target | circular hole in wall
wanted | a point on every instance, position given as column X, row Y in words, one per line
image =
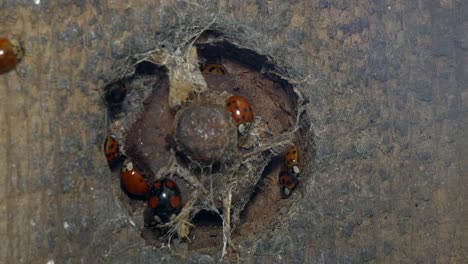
column 240, row 187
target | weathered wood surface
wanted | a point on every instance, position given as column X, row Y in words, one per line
column 387, row 85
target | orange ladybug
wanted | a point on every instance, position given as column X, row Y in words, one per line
column 288, row 183
column 241, row 111
column 293, row 160
column 132, row 179
column 112, row 152
column 10, row 53
column 214, row 69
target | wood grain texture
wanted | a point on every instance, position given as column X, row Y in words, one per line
column 388, row 106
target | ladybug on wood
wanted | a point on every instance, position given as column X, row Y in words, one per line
column 11, row 53
column 241, row 111
column 289, row 179
column 164, row 202
column 214, row 69
column 293, row 160
column 288, row 183
column 132, row 180
column 111, row 150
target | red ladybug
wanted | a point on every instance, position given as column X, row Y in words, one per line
column 132, row 179
column 214, row 69
column 10, row 53
column 293, row 160
column 112, row 152
column 241, row 111
column 288, row 183
column 164, row 200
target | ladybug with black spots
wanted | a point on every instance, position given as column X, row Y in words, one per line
column 241, row 111
column 132, row 180
column 164, row 201
column 288, row 183
column 112, row 152
column 293, row 160
column 11, row 53
column 214, row 69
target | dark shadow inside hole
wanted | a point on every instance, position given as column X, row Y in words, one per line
column 274, row 162
column 215, row 167
column 211, row 47
column 114, row 95
column 212, row 53
column 208, row 218
column 146, row 68
column 208, row 231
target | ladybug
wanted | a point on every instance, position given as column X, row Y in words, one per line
column 293, row 160
column 164, row 201
column 10, row 53
column 132, row 180
column 214, row 69
column 288, row 183
column 111, row 150
column 241, row 111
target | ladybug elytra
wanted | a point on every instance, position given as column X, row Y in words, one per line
column 241, row 111
column 214, row 69
column 288, row 183
column 10, row 53
column 164, row 200
column 112, row 152
column 289, row 179
column 132, row 179
column 293, row 160
column 111, row 148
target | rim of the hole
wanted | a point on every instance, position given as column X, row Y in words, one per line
column 146, row 68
